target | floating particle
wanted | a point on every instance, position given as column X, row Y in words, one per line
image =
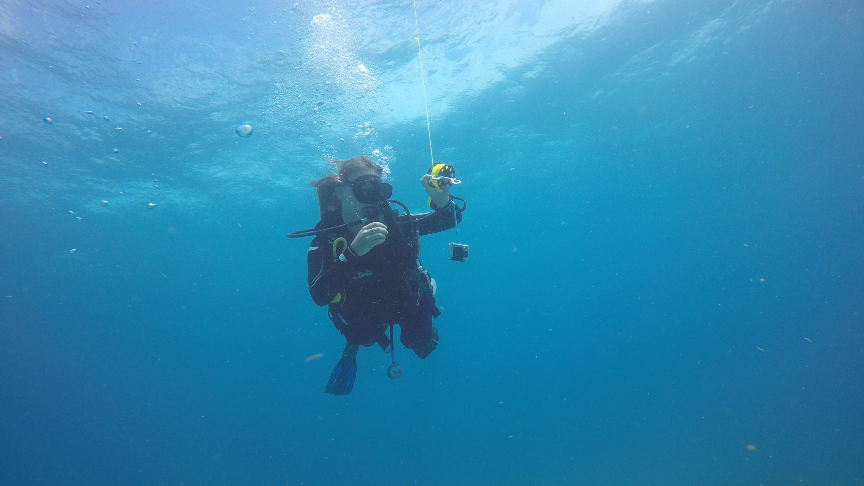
column 314, row 356
column 751, row 447
column 103, row 203
column 118, row 128
column 363, row 69
column 89, row 112
column 116, row 151
column 72, row 212
column 761, row 279
column 151, row 205
column 43, row 163
column 156, row 185
column 47, row 120
column 244, row 130
column 78, row 218
column 760, row 349
column 106, row 118
column 73, row 250
column 808, row 340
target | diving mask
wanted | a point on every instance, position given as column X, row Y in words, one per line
column 370, row 189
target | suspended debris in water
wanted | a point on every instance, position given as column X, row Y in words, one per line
column 103, row 203
column 47, row 120
column 244, row 130
column 151, row 205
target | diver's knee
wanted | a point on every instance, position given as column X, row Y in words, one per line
column 425, row 351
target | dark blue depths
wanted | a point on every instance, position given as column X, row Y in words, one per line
column 665, row 287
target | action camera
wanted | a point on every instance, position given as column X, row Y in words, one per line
column 458, row 252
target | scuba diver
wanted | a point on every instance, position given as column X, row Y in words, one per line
column 364, row 262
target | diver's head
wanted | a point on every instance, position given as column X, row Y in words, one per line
column 355, row 191
column 362, row 195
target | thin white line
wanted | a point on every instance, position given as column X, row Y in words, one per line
column 423, row 78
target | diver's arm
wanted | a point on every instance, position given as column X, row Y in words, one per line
column 446, row 214
column 439, row 220
column 326, row 276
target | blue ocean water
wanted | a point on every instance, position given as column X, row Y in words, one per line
column 666, row 282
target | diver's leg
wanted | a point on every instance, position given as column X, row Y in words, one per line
column 417, row 330
column 358, row 332
column 426, row 350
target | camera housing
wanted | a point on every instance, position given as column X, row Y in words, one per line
column 458, row 252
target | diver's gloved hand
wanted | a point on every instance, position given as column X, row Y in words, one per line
column 440, row 195
column 369, row 236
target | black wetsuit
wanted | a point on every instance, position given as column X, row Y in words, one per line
column 387, row 285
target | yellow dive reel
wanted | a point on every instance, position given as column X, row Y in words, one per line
column 443, row 175
column 442, row 172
